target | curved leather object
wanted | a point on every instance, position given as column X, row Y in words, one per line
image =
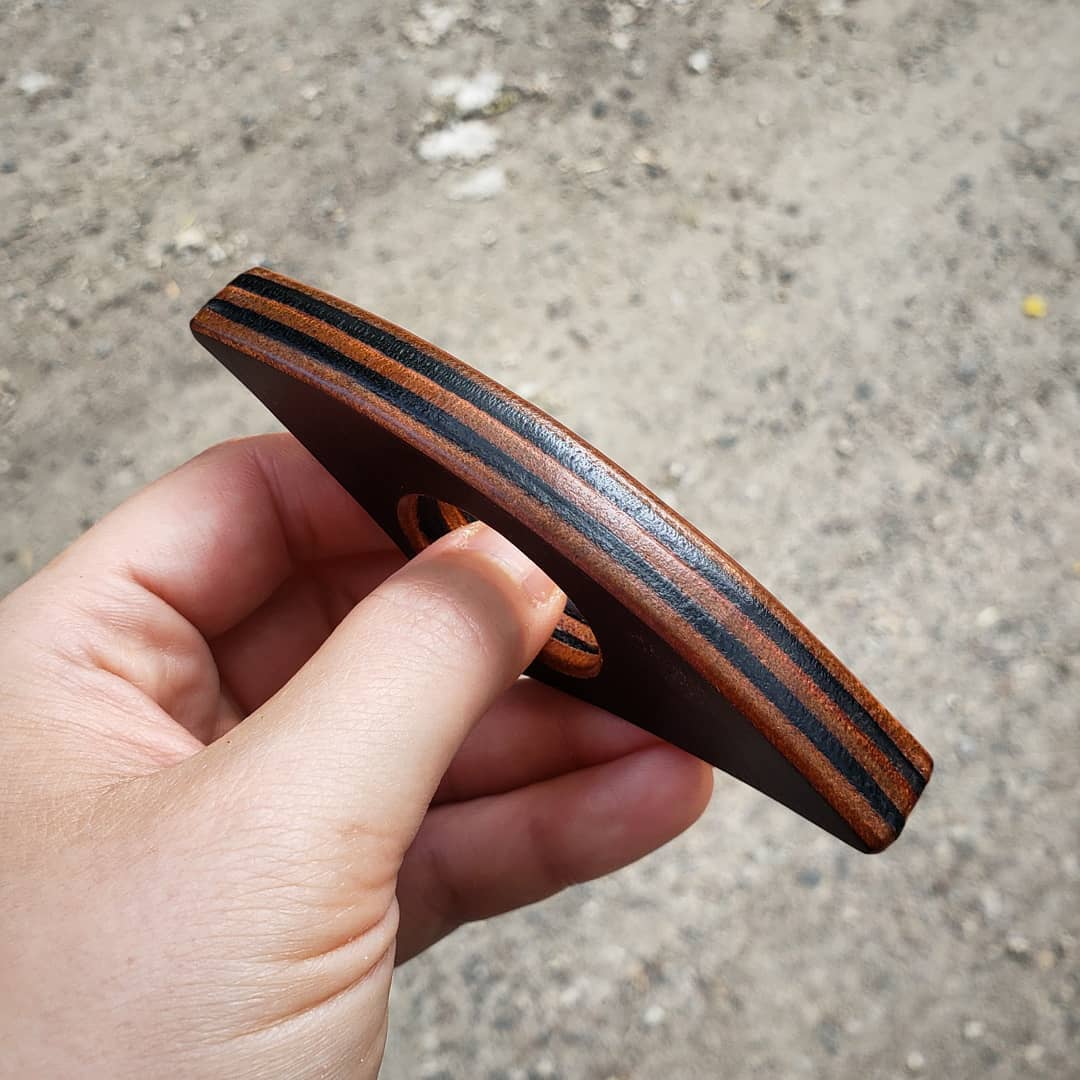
column 668, row 631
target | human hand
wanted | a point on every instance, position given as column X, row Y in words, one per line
column 248, row 760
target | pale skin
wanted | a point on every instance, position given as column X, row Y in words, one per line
column 250, row 759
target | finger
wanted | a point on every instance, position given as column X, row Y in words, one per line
column 352, row 749
column 481, row 858
column 190, row 556
column 259, row 655
column 532, row 733
column 217, row 536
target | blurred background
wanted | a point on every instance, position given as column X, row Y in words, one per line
column 808, row 268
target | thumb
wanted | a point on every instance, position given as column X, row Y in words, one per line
column 357, row 742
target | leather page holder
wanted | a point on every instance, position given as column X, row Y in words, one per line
column 663, row 627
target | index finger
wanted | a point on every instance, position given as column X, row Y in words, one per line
column 217, row 536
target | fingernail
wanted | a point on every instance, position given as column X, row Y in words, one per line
column 531, row 579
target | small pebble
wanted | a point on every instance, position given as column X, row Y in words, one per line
column 485, row 184
column 1003, row 58
column 1034, row 306
column 469, row 94
column 34, row 82
column 190, row 239
column 699, row 61
column 974, row 1030
column 988, row 617
column 468, row 141
column 432, row 24
column 915, row 1062
column 654, row 1015
column 1017, row 945
column 1034, row 1053
column 991, row 902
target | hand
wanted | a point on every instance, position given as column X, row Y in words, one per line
column 249, row 759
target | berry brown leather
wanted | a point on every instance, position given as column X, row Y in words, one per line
column 663, row 627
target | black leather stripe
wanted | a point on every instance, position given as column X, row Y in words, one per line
column 429, row 518
column 559, row 634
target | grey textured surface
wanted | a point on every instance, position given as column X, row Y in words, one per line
column 784, row 289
